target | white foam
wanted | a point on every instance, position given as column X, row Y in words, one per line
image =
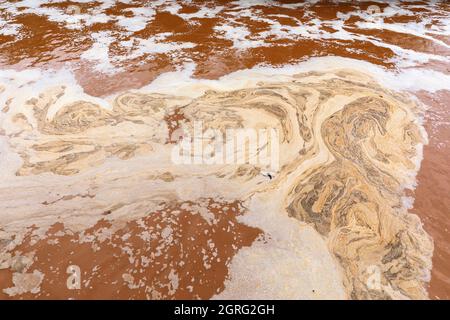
column 293, row 263
column 9, row 29
column 238, row 35
column 140, row 19
column 99, row 52
column 157, row 44
column 205, row 12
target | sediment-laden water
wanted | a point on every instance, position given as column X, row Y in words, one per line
column 95, row 98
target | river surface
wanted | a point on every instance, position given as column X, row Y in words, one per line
column 92, row 92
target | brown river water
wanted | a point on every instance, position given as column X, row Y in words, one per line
column 89, row 186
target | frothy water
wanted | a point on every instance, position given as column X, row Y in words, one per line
column 89, row 115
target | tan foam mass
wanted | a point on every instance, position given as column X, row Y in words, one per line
column 348, row 147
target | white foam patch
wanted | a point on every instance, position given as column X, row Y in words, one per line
column 141, row 17
column 99, row 52
column 294, row 263
column 244, row 4
column 238, row 35
column 157, row 44
column 204, row 12
column 9, row 29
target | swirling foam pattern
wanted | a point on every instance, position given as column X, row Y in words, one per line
column 348, row 148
